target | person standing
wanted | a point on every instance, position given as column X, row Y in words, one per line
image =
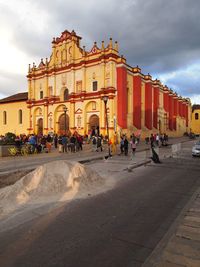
column 72, row 143
column 94, row 143
column 60, row 149
column 55, row 141
column 99, row 144
column 122, row 145
column 157, row 139
column 125, row 146
column 64, row 143
column 133, row 146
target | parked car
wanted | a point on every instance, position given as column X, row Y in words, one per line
column 196, row 150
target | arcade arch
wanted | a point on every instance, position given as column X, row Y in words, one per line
column 92, row 120
column 38, row 121
column 59, row 119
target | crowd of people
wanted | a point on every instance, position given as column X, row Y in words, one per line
column 44, row 143
column 74, row 142
column 157, row 140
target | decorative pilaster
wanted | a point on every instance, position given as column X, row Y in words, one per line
column 72, row 116
column 45, row 119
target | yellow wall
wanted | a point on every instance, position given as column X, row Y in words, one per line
column 195, row 123
column 12, row 111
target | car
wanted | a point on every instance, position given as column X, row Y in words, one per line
column 196, row 150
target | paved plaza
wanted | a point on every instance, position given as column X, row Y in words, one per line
column 181, row 244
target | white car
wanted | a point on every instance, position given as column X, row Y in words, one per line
column 196, row 150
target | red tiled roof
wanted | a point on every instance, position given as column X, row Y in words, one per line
column 15, row 98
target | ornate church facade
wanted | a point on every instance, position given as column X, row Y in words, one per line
column 66, row 92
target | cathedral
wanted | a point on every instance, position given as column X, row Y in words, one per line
column 81, row 90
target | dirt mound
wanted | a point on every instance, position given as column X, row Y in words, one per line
column 58, row 180
column 11, row 178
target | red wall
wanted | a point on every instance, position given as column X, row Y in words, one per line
column 184, row 111
column 148, row 105
column 175, row 112
column 186, row 116
column 137, row 95
column 155, row 107
column 122, row 102
column 171, row 112
column 166, row 102
column 180, row 108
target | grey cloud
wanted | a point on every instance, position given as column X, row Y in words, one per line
column 185, row 85
column 149, row 32
column 12, row 83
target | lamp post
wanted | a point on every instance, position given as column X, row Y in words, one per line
column 105, row 99
column 65, row 109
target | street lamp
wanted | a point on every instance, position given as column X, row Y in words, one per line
column 65, row 109
column 105, row 99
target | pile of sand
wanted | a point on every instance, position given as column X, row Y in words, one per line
column 54, row 181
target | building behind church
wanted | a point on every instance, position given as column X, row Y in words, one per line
column 65, row 94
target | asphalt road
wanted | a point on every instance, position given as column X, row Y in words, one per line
column 119, row 228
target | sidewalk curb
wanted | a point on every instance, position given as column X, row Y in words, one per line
column 139, row 164
column 90, row 159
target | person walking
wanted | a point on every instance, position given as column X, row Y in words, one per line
column 152, row 140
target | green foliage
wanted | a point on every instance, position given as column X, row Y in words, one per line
column 9, row 139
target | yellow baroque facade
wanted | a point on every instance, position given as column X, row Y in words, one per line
column 195, row 124
column 65, row 93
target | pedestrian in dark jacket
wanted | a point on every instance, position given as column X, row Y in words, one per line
column 64, row 143
column 122, row 145
column 56, row 141
column 125, row 146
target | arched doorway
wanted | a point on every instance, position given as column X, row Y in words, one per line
column 94, row 124
column 40, row 126
column 63, row 124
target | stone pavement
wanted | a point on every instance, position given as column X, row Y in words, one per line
column 180, row 247
column 181, row 244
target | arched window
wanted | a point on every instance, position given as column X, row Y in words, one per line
column 66, row 94
column 94, row 86
column 20, row 116
column 4, row 117
column 41, row 94
column 196, row 115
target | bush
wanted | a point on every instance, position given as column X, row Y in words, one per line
column 9, row 139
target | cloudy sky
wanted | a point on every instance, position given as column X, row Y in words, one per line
column 162, row 37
